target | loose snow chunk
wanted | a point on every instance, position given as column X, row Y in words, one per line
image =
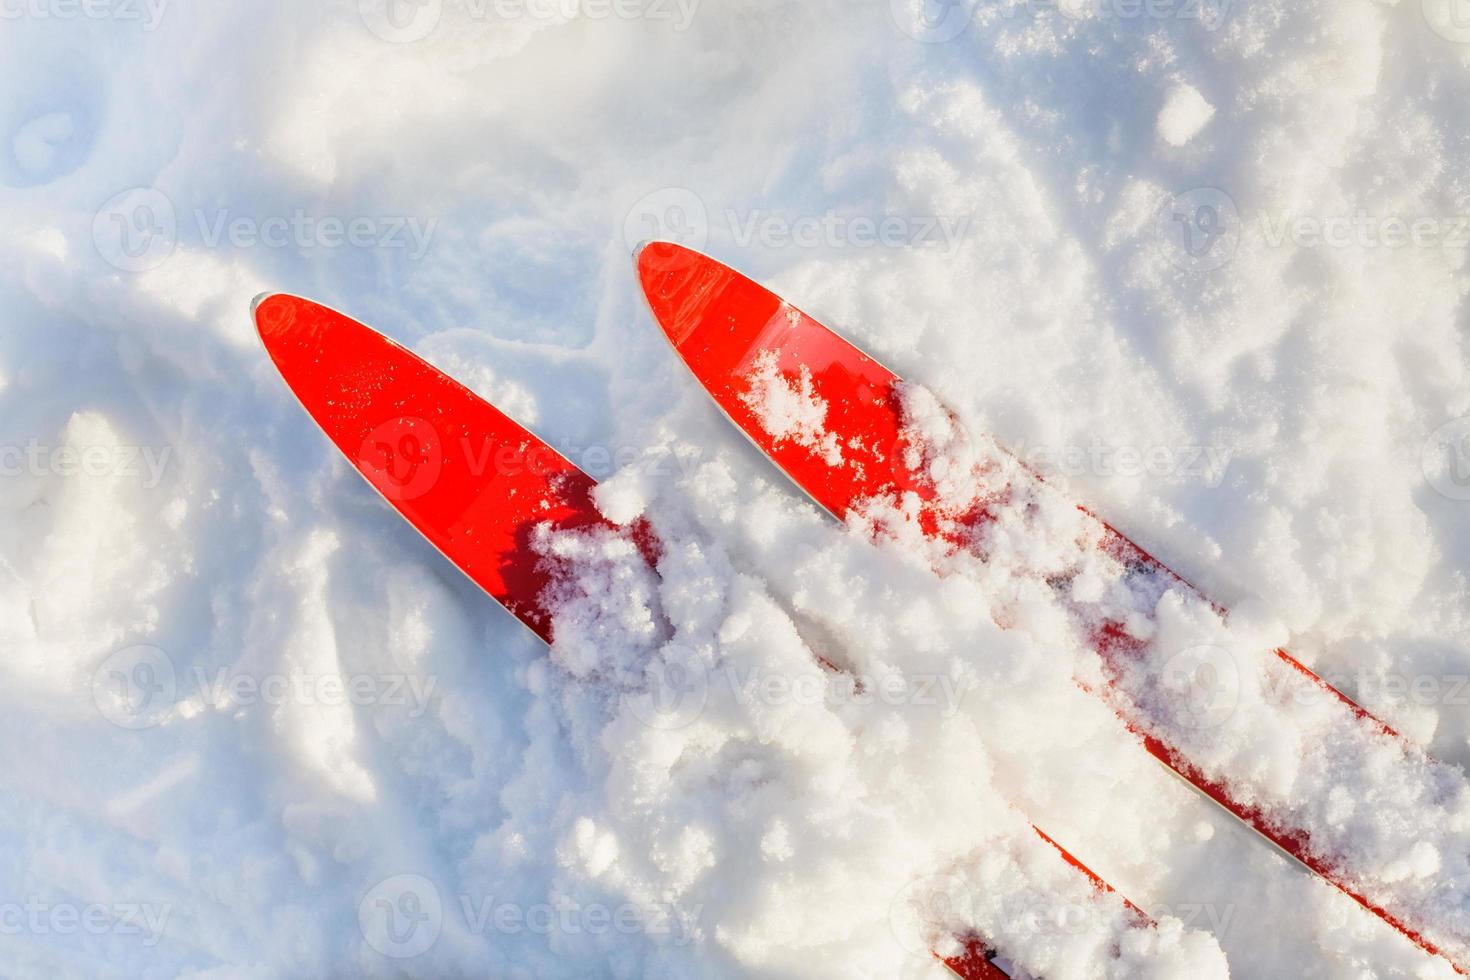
column 623, row 497
column 776, row 844
column 790, row 409
column 1184, row 114
column 591, row 848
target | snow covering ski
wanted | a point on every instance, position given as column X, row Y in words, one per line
column 625, row 603
column 1213, row 697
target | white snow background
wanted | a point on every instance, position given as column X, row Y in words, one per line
column 1201, row 263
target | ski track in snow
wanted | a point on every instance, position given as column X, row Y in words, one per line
column 167, row 505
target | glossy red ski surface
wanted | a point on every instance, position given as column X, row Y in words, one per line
column 720, row 322
column 467, row 476
column 975, row 962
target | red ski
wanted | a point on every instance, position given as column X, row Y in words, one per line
column 468, row 477
column 735, row 335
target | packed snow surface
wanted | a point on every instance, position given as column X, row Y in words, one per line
column 1200, row 265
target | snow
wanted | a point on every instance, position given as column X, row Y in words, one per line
column 1379, row 812
column 733, row 714
column 788, row 409
column 253, row 726
column 1184, row 114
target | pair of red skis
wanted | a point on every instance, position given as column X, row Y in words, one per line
column 478, row 485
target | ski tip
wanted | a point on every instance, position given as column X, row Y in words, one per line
column 658, row 269
column 668, row 273
column 270, row 312
column 678, row 282
column 653, row 256
column 665, row 249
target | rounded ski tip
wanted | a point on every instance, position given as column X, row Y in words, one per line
column 670, row 275
column 655, row 258
column 273, row 313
